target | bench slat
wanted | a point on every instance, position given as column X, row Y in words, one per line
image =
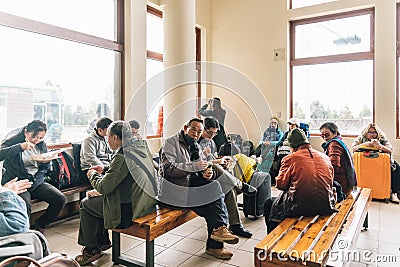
column 151, row 216
column 331, row 232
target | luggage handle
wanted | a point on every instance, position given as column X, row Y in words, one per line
column 371, row 154
column 19, row 258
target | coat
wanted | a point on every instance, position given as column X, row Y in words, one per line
column 126, row 181
column 306, row 177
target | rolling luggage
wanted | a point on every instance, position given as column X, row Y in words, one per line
column 254, row 204
column 373, row 171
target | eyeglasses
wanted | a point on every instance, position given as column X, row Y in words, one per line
column 373, row 132
column 211, row 132
column 324, row 135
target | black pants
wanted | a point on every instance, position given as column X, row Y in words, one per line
column 271, row 225
column 47, row 193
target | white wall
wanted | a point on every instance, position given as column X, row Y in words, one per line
column 245, row 33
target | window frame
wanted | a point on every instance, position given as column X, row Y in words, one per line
column 37, row 27
column 358, row 56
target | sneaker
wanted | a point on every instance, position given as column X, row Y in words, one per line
column 88, row 256
column 105, row 246
column 248, row 189
column 394, row 198
column 222, row 234
column 239, row 230
column 38, row 227
column 220, row 253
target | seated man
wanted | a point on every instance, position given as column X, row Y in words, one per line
column 125, row 192
column 181, row 168
column 95, row 150
column 209, row 151
column 306, row 178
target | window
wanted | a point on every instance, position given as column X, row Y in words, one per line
column 303, row 3
column 154, row 65
column 331, row 68
column 59, row 75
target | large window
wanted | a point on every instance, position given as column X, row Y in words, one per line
column 154, row 65
column 53, row 72
column 332, row 70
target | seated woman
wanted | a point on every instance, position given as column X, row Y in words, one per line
column 339, row 155
column 16, row 152
column 306, row 178
column 373, row 136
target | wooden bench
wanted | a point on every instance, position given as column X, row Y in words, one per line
column 148, row 228
column 309, row 240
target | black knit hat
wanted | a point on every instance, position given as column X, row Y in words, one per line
column 297, row 137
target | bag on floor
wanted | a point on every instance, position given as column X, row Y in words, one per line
column 52, row 260
column 62, row 172
column 254, row 204
column 32, row 244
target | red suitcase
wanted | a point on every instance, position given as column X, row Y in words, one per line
column 373, row 171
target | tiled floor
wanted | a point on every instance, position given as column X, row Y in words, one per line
column 185, row 245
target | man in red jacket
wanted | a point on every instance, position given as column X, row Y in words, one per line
column 306, row 179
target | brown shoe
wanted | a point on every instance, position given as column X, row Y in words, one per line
column 88, row 256
column 222, row 234
column 220, row 253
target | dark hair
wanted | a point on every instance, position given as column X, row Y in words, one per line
column 35, row 127
column 211, row 122
column 331, row 126
column 103, row 123
column 194, row 119
column 134, row 124
column 120, row 129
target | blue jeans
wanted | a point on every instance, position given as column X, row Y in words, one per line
column 49, row 194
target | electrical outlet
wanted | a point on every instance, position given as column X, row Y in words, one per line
column 279, row 54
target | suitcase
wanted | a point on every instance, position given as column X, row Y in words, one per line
column 254, row 204
column 373, row 171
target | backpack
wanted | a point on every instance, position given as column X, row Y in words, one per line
column 62, row 172
column 236, row 139
column 80, row 175
column 306, row 128
column 228, row 149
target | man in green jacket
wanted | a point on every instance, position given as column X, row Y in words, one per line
column 125, row 192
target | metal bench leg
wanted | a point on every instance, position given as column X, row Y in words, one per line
column 365, row 224
column 116, row 246
column 150, row 253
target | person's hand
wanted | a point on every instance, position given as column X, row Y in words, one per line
column 208, row 173
column 207, row 151
column 98, row 168
column 27, row 145
column 266, row 143
column 201, row 164
column 18, row 186
column 375, row 143
column 210, row 103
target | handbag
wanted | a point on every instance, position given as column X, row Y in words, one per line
column 53, row 260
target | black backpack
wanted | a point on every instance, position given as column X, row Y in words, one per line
column 62, row 172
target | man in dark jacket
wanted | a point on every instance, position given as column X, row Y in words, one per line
column 187, row 181
column 306, row 179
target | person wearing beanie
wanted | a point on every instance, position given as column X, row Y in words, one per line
column 306, row 179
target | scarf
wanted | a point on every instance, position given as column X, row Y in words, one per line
column 350, row 173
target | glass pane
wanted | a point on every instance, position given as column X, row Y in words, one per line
column 303, row 3
column 57, row 81
column 155, row 34
column 88, row 16
column 339, row 92
column 333, row 37
column 152, row 95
